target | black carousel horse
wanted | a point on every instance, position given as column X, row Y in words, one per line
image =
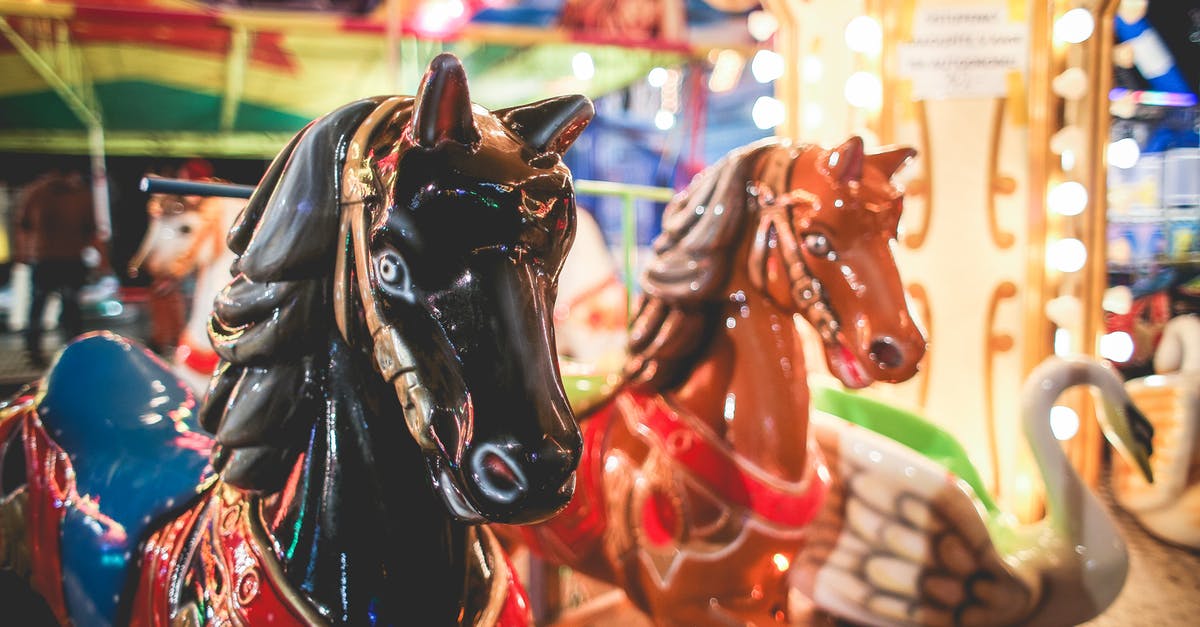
column 388, row 382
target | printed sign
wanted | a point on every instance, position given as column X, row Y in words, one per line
column 963, row 52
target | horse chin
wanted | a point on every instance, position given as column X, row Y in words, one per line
column 847, row 367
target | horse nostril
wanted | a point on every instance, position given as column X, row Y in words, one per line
column 498, row 477
column 886, row 354
column 499, row 472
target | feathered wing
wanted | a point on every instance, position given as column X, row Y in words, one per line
column 901, row 541
column 1169, row 507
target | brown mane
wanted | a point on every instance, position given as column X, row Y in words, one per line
column 693, row 257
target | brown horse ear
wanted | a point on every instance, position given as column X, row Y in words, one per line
column 889, row 160
column 549, row 125
column 846, row 161
column 443, row 109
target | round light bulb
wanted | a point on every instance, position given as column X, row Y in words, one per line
column 761, row 25
column 582, row 66
column 767, row 66
column 864, row 90
column 767, row 112
column 1074, row 26
column 439, row 16
column 657, row 77
column 1068, row 198
column 865, row 35
column 664, row 120
column 1067, row 255
column 1064, row 422
column 1124, row 153
column 1116, row 346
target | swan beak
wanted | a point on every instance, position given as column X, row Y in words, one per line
column 1140, row 446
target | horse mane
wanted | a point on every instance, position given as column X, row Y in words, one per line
column 693, row 259
column 273, row 321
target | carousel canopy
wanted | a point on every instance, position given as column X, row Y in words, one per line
column 176, row 77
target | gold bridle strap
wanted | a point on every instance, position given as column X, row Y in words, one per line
column 393, row 358
column 777, row 212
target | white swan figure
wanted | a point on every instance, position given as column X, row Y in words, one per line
column 904, row 541
column 1170, row 507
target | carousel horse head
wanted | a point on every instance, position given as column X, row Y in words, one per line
column 421, row 238
column 811, row 230
column 184, row 234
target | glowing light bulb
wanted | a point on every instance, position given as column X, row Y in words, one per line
column 865, row 35
column 767, row 112
column 1066, row 255
column 1064, row 422
column 1067, row 159
column 1062, row 342
column 1116, row 346
column 664, row 120
column 439, row 16
column 767, row 66
column 864, row 90
column 657, row 77
column 781, row 562
column 1124, row 153
column 813, row 69
column 582, row 66
column 1068, row 198
column 761, row 25
column 1074, row 26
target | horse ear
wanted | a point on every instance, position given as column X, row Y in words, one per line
column 443, row 110
column 889, row 160
column 549, row 125
column 846, row 161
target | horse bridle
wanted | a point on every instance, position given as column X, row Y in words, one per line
column 776, row 212
column 392, row 356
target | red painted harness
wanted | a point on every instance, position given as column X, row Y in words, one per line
column 579, row 530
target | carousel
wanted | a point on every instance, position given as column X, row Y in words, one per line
column 605, row 312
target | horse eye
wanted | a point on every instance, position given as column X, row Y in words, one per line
column 818, row 245
column 393, row 276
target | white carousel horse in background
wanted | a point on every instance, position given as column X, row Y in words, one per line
column 1170, row 507
column 902, row 541
column 590, row 314
column 187, row 235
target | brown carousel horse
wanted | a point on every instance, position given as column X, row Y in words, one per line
column 699, row 477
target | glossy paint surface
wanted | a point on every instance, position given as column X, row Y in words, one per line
column 137, row 453
column 700, row 479
column 387, row 331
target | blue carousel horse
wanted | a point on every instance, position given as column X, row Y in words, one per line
column 387, row 382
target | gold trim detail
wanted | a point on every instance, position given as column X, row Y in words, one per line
column 915, row 238
column 998, row 184
column 296, row 601
column 994, row 343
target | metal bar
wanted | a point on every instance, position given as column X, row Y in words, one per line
column 73, row 100
column 235, row 76
column 100, row 205
column 606, row 188
column 184, row 187
column 629, row 250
